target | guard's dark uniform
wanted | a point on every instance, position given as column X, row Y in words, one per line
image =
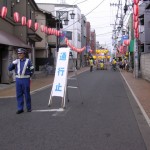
column 91, row 65
column 23, row 70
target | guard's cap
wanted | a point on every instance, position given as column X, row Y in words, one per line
column 21, row 50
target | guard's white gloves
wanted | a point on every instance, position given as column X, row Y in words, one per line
column 15, row 62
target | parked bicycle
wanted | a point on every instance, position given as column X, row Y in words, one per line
column 47, row 69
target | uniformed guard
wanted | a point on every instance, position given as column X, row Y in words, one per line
column 23, row 70
column 114, row 63
column 91, row 64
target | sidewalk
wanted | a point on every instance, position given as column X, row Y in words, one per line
column 10, row 91
column 140, row 88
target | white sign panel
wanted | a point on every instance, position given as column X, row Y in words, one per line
column 61, row 72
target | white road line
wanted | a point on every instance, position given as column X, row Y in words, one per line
column 3, row 97
column 62, row 114
column 139, row 104
column 37, row 90
column 42, row 88
column 49, row 110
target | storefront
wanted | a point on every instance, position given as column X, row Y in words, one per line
column 8, row 47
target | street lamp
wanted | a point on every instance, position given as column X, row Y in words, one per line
column 62, row 16
column 66, row 21
column 72, row 15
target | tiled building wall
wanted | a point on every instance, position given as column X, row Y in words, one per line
column 145, row 66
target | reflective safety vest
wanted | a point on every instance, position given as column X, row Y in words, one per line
column 114, row 62
column 91, row 62
column 101, row 65
column 23, row 68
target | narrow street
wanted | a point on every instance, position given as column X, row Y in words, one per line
column 108, row 119
column 104, row 105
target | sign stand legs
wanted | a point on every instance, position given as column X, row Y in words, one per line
column 63, row 100
column 76, row 80
column 60, row 87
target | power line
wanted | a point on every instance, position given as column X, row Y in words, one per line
column 101, row 27
column 75, row 1
column 99, row 17
column 87, row 13
column 80, row 2
column 95, row 8
column 104, row 33
column 66, row 8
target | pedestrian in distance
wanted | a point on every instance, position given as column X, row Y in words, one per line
column 23, row 71
column 123, row 64
column 127, row 66
column 114, row 64
column 91, row 64
column 120, row 65
column 101, row 65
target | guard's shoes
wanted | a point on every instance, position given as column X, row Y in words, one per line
column 19, row 111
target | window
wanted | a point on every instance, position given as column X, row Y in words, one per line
column 69, row 35
column 62, row 14
column 79, row 37
column 3, row 3
column 141, row 29
column 142, row 21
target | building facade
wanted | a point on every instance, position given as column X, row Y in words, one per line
column 72, row 30
column 88, row 34
column 93, row 40
column 144, row 39
column 45, row 49
column 83, row 40
column 13, row 34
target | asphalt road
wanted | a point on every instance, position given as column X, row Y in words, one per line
column 108, row 119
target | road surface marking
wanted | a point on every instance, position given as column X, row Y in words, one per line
column 62, row 114
column 49, row 110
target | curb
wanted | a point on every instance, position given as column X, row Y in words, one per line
column 46, row 86
column 138, row 102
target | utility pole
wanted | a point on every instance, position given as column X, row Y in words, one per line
column 136, row 49
column 120, row 16
column 120, row 23
column 136, row 57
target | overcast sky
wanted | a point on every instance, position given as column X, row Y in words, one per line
column 101, row 18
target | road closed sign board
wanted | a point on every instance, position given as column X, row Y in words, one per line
column 61, row 72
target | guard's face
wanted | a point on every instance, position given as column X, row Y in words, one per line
column 21, row 55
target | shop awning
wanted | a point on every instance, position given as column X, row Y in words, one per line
column 53, row 45
column 8, row 39
column 35, row 37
